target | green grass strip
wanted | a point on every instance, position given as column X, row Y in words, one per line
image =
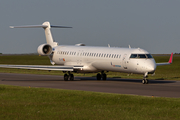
column 24, row 103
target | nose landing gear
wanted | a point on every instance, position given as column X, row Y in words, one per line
column 145, row 80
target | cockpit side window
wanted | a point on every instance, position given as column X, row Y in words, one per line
column 149, row 55
column 141, row 56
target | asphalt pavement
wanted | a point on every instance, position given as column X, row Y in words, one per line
column 156, row 88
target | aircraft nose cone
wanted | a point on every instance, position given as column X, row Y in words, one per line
column 151, row 68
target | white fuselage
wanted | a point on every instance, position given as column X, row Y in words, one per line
column 94, row 59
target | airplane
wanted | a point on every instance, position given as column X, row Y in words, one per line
column 80, row 58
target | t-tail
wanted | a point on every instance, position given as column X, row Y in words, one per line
column 47, row 27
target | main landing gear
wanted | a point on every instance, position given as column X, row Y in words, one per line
column 102, row 76
column 68, row 76
column 145, row 80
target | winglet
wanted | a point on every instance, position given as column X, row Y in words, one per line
column 171, row 58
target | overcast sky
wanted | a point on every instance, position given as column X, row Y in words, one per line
column 153, row 25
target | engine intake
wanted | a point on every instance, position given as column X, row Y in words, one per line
column 44, row 49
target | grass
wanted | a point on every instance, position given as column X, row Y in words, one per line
column 169, row 72
column 42, row 103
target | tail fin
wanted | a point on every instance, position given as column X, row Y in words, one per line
column 47, row 27
column 49, row 38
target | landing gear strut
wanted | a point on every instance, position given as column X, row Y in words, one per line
column 145, row 80
column 102, row 76
column 68, row 76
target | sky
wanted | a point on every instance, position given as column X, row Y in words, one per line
column 153, row 25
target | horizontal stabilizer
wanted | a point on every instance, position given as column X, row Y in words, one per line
column 38, row 26
column 60, row 26
column 30, row 26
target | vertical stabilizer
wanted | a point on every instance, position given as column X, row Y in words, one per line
column 49, row 38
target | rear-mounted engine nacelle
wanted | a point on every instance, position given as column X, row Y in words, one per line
column 44, row 49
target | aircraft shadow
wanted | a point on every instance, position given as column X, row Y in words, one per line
column 94, row 79
column 29, row 80
column 126, row 80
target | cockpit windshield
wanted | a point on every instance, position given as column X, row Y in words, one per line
column 141, row 56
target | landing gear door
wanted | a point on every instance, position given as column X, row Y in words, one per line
column 124, row 61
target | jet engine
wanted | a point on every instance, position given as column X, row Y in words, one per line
column 44, row 49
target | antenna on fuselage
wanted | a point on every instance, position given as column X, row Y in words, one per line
column 109, row 46
column 129, row 46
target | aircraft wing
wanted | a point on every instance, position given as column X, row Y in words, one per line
column 167, row 63
column 43, row 67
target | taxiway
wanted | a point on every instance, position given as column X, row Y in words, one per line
column 156, row 88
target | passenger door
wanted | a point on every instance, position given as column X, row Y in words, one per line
column 124, row 61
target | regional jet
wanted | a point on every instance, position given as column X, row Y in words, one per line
column 80, row 58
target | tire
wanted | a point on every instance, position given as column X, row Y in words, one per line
column 104, row 76
column 71, row 77
column 66, row 77
column 143, row 81
column 98, row 77
column 147, row 81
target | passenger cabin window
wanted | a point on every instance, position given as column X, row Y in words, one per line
column 141, row 56
column 97, row 55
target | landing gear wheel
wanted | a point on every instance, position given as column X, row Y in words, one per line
column 103, row 76
column 98, row 77
column 71, row 77
column 145, row 81
column 66, row 77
